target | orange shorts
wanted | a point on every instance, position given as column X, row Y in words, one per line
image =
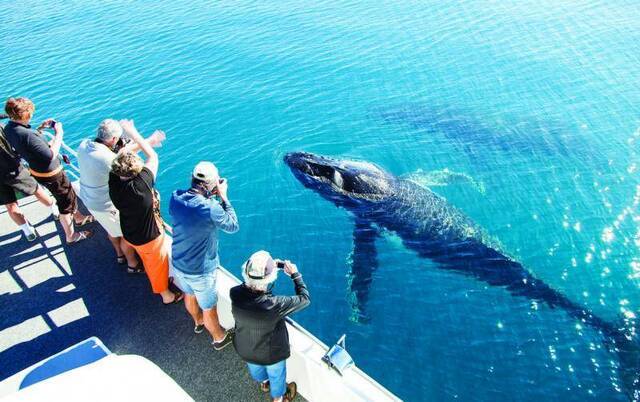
column 155, row 258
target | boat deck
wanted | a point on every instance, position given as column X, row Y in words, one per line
column 53, row 296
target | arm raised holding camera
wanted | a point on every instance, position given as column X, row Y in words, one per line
column 155, row 140
column 152, row 160
column 224, row 216
column 56, row 142
column 291, row 304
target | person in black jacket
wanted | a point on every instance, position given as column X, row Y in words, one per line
column 261, row 336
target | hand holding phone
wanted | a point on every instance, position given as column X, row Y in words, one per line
column 289, row 267
column 48, row 123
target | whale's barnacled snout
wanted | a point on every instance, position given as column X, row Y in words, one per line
column 339, row 177
column 310, row 164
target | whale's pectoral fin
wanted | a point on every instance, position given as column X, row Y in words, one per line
column 363, row 261
column 445, row 177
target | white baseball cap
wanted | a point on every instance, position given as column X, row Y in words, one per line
column 206, row 171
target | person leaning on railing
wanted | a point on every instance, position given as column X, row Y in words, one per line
column 94, row 163
column 15, row 177
column 261, row 336
column 131, row 189
column 44, row 164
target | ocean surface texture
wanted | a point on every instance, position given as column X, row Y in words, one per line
column 524, row 115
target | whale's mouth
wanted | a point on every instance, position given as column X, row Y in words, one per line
column 311, row 165
column 348, row 178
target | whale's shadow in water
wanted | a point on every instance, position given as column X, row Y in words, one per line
column 479, row 141
column 428, row 225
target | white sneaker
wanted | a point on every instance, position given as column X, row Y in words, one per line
column 29, row 231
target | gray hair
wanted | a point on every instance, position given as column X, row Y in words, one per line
column 108, row 129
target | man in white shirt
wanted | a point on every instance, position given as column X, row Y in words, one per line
column 94, row 160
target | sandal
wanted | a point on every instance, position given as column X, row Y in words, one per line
column 87, row 219
column 292, row 391
column 265, row 386
column 121, row 260
column 79, row 236
column 177, row 298
column 138, row 269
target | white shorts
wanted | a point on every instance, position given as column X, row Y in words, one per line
column 109, row 220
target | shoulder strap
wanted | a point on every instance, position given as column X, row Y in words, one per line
column 156, row 208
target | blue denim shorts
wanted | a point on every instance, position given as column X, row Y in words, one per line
column 202, row 286
column 276, row 374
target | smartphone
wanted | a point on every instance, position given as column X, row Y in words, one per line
column 280, row 264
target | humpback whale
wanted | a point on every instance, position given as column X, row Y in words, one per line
column 434, row 229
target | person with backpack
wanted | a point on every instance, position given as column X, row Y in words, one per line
column 14, row 177
column 44, row 164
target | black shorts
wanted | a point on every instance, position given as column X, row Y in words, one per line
column 21, row 181
column 61, row 189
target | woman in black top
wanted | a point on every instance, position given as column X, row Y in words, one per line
column 131, row 189
column 44, row 164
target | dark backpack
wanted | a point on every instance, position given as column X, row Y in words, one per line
column 9, row 161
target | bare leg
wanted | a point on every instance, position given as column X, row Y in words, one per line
column 115, row 242
column 16, row 214
column 129, row 253
column 67, row 225
column 212, row 324
column 191, row 304
column 167, row 296
column 44, row 197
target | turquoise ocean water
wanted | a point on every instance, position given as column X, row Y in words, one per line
column 522, row 114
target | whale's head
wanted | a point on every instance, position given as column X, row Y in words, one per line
column 347, row 183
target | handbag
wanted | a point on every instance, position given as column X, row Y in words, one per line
column 162, row 225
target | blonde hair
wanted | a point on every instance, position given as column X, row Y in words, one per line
column 127, row 164
column 19, row 108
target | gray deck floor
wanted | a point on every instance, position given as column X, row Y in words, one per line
column 53, row 295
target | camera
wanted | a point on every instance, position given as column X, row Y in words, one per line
column 280, row 264
column 122, row 142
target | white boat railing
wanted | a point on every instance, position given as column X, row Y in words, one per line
column 315, row 380
column 73, row 170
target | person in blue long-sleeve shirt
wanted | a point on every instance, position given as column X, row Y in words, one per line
column 198, row 214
